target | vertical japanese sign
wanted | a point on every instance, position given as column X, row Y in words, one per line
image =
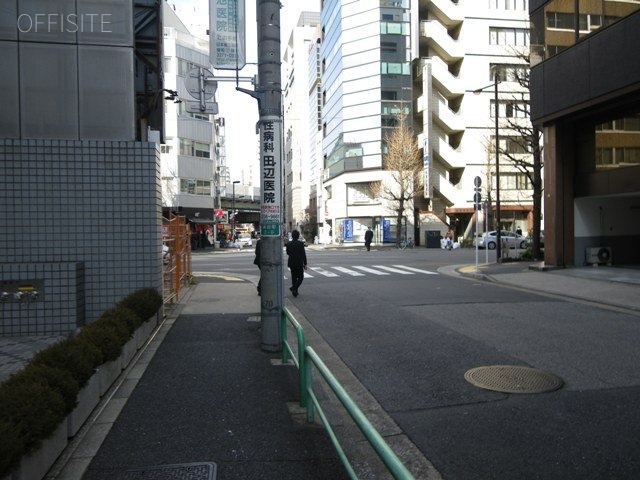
column 227, row 43
column 271, row 176
column 347, row 228
column 426, row 129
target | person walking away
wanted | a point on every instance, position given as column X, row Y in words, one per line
column 368, row 237
column 256, row 261
column 297, row 262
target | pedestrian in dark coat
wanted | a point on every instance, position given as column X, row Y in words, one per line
column 256, row 261
column 368, row 237
column 297, row 262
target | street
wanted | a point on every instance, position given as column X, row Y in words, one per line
column 409, row 333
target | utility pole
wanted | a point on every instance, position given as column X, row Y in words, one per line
column 269, row 95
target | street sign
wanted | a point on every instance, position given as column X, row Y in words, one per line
column 477, row 182
column 200, row 80
column 196, row 107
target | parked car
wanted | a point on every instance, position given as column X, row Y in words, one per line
column 245, row 239
column 490, row 240
column 530, row 239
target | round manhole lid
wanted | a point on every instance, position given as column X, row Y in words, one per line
column 513, row 379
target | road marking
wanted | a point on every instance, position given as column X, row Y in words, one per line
column 324, row 272
column 413, row 269
column 370, row 270
column 394, row 270
column 216, row 275
column 353, row 273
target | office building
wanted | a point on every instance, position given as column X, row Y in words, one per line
column 585, row 95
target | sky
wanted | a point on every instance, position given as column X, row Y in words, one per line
column 240, row 110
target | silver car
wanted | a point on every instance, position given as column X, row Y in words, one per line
column 509, row 239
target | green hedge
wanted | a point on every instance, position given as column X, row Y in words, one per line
column 35, row 400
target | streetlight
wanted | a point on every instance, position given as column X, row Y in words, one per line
column 233, row 208
column 496, row 81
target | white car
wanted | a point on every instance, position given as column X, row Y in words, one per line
column 510, row 239
column 245, row 240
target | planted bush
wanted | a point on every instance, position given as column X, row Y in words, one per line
column 34, row 401
column 30, row 411
column 121, row 315
column 144, row 302
column 80, row 358
column 59, row 380
column 108, row 334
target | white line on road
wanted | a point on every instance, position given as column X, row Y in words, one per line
column 353, row 273
column 370, row 270
column 413, row 269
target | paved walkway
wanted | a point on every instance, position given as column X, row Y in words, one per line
column 203, row 392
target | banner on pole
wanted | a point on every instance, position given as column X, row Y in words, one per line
column 271, row 176
column 227, row 36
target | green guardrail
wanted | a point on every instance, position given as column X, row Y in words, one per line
column 307, row 358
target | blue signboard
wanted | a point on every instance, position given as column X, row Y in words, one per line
column 386, row 231
column 347, row 228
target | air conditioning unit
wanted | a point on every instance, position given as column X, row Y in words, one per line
column 598, row 256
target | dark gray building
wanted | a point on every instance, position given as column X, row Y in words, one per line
column 585, row 95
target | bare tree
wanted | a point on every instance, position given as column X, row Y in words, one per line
column 404, row 163
column 523, row 148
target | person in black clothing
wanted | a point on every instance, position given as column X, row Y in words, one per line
column 256, row 261
column 297, row 262
column 368, row 237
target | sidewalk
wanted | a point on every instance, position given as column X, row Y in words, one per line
column 202, row 392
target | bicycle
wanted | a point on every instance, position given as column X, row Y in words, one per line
column 409, row 243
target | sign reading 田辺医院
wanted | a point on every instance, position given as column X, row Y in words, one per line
column 271, row 176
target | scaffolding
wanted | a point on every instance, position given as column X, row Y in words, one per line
column 176, row 257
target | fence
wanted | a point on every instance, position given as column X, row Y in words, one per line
column 176, row 257
column 305, row 360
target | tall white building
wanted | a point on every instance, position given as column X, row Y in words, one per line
column 459, row 45
column 193, row 152
column 298, row 175
column 366, row 80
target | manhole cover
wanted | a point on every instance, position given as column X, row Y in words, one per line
column 182, row 471
column 513, row 379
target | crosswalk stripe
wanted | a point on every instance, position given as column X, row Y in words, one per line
column 349, row 272
column 370, row 270
column 324, row 272
column 394, row 270
column 413, row 269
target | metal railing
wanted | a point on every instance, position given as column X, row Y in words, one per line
column 306, row 359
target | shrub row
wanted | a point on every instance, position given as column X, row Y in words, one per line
column 35, row 400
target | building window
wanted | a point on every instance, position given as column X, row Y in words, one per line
column 510, row 109
column 513, row 181
column 618, row 143
column 389, row 68
column 509, row 72
column 508, row 36
column 195, row 187
column 194, row 149
column 394, row 28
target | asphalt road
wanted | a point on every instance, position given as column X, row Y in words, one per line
column 410, row 337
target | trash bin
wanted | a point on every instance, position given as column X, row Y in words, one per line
column 432, row 238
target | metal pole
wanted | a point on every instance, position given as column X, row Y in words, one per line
column 233, row 209
column 269, row 95
column 496, row 80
